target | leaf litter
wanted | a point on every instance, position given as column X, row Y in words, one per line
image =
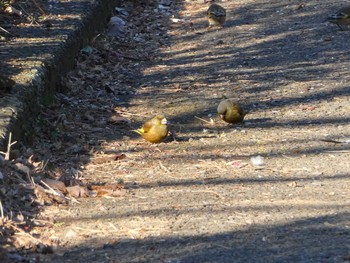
column 50, row 172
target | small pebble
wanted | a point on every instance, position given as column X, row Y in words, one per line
column 257, row 160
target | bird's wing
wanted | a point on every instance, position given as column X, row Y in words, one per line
column 222, row 109
column 139, row 131
column 147, row 126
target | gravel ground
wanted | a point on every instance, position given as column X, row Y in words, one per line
column 200, row 198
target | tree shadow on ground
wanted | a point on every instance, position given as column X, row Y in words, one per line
column 286, row 51
column 313, row 239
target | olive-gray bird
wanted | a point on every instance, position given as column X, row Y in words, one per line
column 230, row 111
column 216, row 15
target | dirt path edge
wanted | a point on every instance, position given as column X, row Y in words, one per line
column 38, row 78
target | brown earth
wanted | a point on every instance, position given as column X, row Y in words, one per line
column 199, row 197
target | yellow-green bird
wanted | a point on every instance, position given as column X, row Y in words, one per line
column 154, row 130
column 342, row 17
column 216, row 15
column 230, row 111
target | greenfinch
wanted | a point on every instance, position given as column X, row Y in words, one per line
column 230, row 111
column 216, row 15
column 342, row 17
column 154, row 130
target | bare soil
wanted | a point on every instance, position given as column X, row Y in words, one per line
column 198, row 196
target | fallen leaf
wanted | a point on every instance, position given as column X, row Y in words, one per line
column 56, row 185
column 78, row 191
column 108, row 190
column 305, row 107
column 22, row 168
column 37, row 165
column 237, row 164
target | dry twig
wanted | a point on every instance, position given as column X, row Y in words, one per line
column 9, row 144
column 1, row 210
column 3, row 29
column 211, row 122
column 163, row 167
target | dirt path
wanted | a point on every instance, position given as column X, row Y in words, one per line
column 200, row 198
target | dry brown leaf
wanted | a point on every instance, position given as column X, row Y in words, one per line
column 23, row 168
column 38, row 165
column 108, row 190
column 237, row 164
column 57, row 173
column 57, row 185
column 306, row 107
column 43, row 196
column 78, row 191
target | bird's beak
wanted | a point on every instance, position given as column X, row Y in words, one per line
column 164, row 121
